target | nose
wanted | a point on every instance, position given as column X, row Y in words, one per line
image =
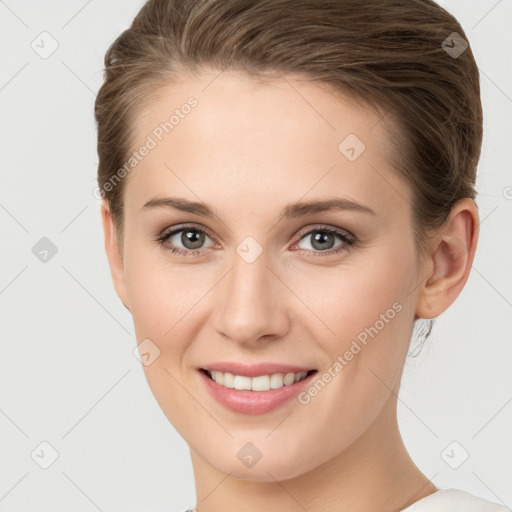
column 253, row 303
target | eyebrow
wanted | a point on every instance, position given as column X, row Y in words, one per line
column 292, row 210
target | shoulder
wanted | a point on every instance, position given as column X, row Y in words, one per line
column 454, row 500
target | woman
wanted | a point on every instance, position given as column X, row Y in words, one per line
column 235, row 138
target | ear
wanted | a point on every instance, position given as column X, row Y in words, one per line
column 113, row 251
column 450, row 260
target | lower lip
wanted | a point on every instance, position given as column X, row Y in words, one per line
column 253, row 402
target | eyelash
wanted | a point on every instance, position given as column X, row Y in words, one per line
column 348, row 240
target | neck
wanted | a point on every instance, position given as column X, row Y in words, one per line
column 375, row 474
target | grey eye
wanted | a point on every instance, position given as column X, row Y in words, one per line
column 322, row 240
column 187, row 238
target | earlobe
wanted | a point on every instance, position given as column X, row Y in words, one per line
column 113, row 252
column 451, row 258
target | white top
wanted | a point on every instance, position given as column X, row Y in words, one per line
column 454, row 500
column 447, row 500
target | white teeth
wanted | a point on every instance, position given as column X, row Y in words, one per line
column 242, row 382
column 260, row 383
column 289, row 378
column 276, row 381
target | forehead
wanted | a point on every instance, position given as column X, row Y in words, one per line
column 234, row 103
column 238, row 134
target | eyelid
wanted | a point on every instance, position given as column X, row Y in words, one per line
column 332, row 229
column 181, row 227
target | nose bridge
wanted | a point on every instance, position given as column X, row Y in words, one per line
column 251, row 303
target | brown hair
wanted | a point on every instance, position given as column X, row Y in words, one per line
column 394, row 55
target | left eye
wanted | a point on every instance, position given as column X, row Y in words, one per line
column 323, row 240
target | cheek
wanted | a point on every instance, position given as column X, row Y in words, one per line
column 160, row 293
column 339, row 303
column 366, row 360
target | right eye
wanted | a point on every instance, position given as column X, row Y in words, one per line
column 191, row 238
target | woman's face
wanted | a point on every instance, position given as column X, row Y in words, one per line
column 267, row 283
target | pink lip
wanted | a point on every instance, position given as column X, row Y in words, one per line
column 254, row 370
column 253, row 402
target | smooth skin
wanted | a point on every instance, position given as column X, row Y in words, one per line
column 247, row 150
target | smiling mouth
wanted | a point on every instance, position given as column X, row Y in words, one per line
column 259, row 383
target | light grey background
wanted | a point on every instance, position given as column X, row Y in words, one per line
column 68, row 375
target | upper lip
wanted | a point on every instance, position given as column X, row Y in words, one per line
column 254, row 370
